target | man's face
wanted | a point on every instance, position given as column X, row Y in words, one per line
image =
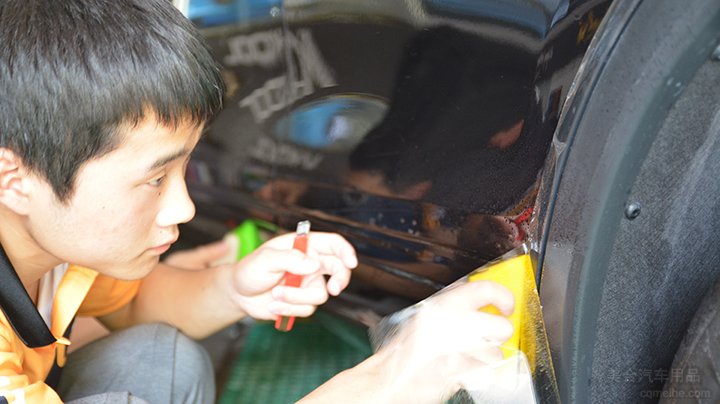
column 126, row 205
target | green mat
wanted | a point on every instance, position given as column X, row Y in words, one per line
column 277, row 367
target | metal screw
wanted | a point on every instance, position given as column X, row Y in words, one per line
column 632, row 210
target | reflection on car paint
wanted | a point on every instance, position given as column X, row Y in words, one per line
column 274, row 152
column 531, row 15
column 338, row 123
column 446, row 112
column 207, row 13
column 307, row 72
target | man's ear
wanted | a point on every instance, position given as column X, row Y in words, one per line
column 14, row 182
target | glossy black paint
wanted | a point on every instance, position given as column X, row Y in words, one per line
column 419, row 133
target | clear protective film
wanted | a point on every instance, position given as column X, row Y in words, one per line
column 452, row 355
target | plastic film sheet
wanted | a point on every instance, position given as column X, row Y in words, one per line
column 472, row 368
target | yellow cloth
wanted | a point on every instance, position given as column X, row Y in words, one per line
column 82, row 291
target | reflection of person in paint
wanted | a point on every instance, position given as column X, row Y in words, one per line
column 456, row 125
column 456, row 134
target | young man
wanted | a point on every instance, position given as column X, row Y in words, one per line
column 102, row 103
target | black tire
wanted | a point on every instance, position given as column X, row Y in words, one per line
column 697, row 364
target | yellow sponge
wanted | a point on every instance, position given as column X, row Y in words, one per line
column 516, row 274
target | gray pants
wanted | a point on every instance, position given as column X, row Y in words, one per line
column 152, row 363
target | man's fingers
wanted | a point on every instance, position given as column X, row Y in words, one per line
column 286, row 309
column 312, row 293
column 494, row 328
column 339, row 274
column 293, row 261
column 334, row 244
column 320, row 243
column 281, row 261
column 477, row 295
column 199, row 257
column 474, row 329
column 211, row 252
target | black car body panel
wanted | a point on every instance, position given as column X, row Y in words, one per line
column 418, row 130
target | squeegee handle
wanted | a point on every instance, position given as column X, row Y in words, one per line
column 285, row 323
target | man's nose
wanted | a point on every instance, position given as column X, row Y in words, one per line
column 177, row 206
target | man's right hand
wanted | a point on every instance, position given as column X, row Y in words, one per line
column 448, row 339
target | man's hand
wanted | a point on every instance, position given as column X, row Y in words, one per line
column 258, row 276
column 448, row 338
column 200, row 257
column 190, row 293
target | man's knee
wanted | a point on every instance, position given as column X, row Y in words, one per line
column 193, row 379
column 181, row 369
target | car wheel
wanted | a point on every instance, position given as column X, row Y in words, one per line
column 695, row 373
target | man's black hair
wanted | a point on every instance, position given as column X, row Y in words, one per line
column 73, row 73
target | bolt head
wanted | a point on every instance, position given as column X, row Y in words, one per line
column 632, row 210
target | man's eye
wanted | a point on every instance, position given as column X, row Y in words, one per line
column 156, row 182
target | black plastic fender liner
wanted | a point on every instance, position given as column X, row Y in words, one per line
column 625, row 263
